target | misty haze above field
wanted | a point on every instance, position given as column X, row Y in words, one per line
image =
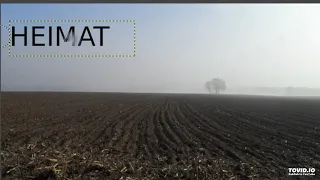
column 180, row 47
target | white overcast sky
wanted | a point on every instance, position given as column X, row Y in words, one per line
column 179, row 47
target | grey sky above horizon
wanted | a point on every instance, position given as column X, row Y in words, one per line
column 179, row 47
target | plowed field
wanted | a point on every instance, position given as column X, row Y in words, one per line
column 157, row 136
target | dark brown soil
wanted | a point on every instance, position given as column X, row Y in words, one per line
column 157, row 136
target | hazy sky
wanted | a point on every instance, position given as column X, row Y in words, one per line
column 179, row 47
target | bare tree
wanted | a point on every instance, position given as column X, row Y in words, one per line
column 208, row 86
column 218, row 85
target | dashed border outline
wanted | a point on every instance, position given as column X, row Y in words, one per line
column 9, row 40
column 77, row 55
